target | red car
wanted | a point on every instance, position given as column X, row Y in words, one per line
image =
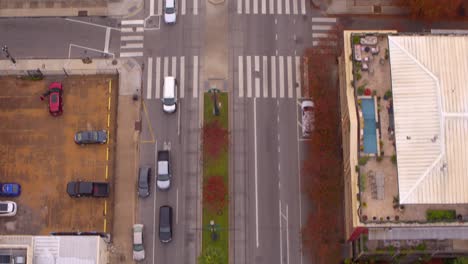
column 55, row 98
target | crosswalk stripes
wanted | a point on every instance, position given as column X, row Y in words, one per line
column 322, row 31
column 287, row 7
column 170, row 66
column 268, row 77
column 131, row 38
column 181, row 7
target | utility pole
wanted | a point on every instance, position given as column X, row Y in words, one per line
column 7, row 54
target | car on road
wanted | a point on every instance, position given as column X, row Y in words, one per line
column 170, row 11
column 10, row 189
column 165, row 224
column 144, row 176
column 91, row 137
column 163, row 179
column 169, row 95
column 138, row 249
column 54, row 93
column 307, row 108
column 82, row 188
column 7, row 208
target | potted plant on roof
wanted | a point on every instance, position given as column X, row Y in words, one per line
column 367, row 92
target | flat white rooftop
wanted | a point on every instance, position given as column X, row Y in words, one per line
column 430, row 96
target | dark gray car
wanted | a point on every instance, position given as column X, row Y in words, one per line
column 144, row 176
column 91, row 137
column 165, row 224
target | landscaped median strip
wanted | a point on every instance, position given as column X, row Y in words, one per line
column 215, row 239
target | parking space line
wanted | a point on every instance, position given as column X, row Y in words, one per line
column 166, row 66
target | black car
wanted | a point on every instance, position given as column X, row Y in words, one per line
column 165, row 224
column 91, row 137
column 144, row 176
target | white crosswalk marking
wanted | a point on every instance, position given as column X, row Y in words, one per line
column 290, row 79
column 161, row 67
column 195, row 8
column 182, row 77
column 257, row 79
column 151, row 7
column 166, row 67
column 264, row 7
column 324, row 33
column 281, row 75
column 195, row 77
column 158, row 77
column 287, row 7
column 131, row 38
column 183, row 7
column 273, row 76
column 269, row 76
column 132, row 22
column 324, row 19
column 149, row 84
column 174, row 67
column 249, row 76
column 160, row 7
column 265, row 76
column 240, row 69
column 298, row 76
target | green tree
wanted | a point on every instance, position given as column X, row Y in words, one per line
column 212, row 255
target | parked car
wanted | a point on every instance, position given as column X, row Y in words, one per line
column 165, row 224
column 7, row 208
column 10, row 189
column 54, row 93
column 91, row 137
column 94, row 189
column 307, row 107
column 138, row 249
column 163, row 179
column 170, row 11
column 144, row 176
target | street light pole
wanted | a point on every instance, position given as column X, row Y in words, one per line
column 7, row 54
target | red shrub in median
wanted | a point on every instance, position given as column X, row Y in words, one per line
column 215, row 138
column 214, row 194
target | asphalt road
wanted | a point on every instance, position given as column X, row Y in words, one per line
column 264, row 45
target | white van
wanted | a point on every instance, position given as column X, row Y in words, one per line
column 170, row 11
column 169, row 94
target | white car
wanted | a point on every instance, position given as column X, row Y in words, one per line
column 307, row 107
column 138, row 249
column 170, row 11
column 7, row 208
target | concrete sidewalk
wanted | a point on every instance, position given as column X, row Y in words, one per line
column 359, row 7
column 128, row 136
column 66, row 8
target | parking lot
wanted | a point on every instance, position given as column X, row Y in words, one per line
column 37, row 150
